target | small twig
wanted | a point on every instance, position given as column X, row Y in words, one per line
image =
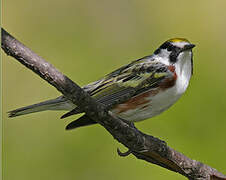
column 143, row 146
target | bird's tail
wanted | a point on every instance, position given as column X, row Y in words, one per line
column 60, row 103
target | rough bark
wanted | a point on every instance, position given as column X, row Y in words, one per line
column 142, row 146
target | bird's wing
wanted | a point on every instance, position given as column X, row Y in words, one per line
column 126, row 82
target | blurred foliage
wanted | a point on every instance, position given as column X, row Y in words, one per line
column 87, row 39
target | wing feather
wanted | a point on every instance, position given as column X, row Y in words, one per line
column 126, row 82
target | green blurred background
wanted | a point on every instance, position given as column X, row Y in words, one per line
column 87, row 39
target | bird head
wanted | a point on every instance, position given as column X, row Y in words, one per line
column 173, row 48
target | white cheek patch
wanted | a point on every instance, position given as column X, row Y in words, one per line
column 164, row 53
column 163, row 56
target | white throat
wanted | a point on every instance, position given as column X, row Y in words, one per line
column 184, row 71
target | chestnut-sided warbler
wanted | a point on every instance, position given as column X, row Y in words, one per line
column 154, row 83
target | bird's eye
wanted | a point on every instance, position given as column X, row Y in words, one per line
column 170, row 47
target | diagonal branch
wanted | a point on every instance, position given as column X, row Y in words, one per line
column 142, row 146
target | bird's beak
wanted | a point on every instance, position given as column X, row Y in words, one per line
column 188, row 47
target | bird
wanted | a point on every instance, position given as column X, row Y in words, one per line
column 150, row 84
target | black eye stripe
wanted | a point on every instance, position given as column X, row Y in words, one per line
column 167, row 45
column 170, row 47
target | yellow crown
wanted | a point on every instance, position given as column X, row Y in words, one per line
column 178, row 40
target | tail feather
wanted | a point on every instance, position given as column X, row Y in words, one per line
column 60, row 103
column 80, row 122
column 72, row 112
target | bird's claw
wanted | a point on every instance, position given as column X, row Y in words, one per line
column 123, row 154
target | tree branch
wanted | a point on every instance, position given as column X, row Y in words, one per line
column 142, row 146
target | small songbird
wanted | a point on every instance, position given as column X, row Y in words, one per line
column 151, row 84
